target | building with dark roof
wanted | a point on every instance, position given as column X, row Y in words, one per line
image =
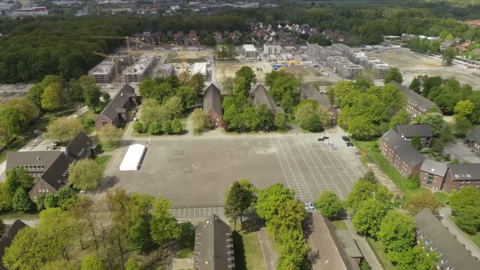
column 213, row 245
column 331, row 249
column 116, row 112
column 406, row 159
column 8, row 237
column 261, row 96
column 436, row 237
column 212, row 104
column 309, row 91
column 473, row 138
column 462, row 175
column 35, row 162
column 416, row 104
column 81, row 147
column 432, row 174
column 407, row 132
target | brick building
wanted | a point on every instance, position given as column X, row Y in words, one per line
column 432, row 174
column 212, row 104
column 473, row 138
column 462, row 175
column 406, row 159
column 407, row 132
column 116, row 112
column 308, row 91
column 261, row 96
column 415, row 104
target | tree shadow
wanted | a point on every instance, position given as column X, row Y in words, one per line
column 239, row 251
column 108, row 183
column 308, row 225
column 249, row 226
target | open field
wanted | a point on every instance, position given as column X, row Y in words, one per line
column 228, row 69
column 414, row 64
column 191, row 57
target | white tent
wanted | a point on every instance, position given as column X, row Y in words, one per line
column 132, row 158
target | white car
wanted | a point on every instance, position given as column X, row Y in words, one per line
column 311, row 206
column 307, row 206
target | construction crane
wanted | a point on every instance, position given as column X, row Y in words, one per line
column 115, row 60
column 119, row 37
column 182, row 56
column 137, row 41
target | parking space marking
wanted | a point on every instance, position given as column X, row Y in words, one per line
column 291, row 171
column 196, row 211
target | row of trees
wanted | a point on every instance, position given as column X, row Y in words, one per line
column 136, row 224
column 466, row 207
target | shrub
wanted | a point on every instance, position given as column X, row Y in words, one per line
column 413, row 182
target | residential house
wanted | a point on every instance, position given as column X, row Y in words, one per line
column 81, row 147
column 35, row 162
column 407, row 132
column 116, row 112
column 8, row 237
column 463, row 47
column 406, row 159
column 309, row 91
column 193, row 39
column 331, row 249
column 473, row 138
column 333, row 36
column 178, row 38
column 436, row 237
column 212, row 104
column 270, row 48
column 235, row 37
column 462, row 175
column 218, row 37
column 432, row 174
column 261, row 96
column 415, row 104
column 473, row 23
column 213, row 245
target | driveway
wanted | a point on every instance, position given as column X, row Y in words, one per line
column 462, row 152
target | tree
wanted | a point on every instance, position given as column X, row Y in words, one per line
column 26, row 108
column 368, row 218
column 197, row 81
column 92, row 95
column 236, row 202
column 467, row 222
column 435, row 121
column 320, row 39
column 186, row 95
column 290, row 217
column 397, row 233
column 330, row 94
column 329, row 204
column 3, row 227
column 310, row 116
column 50, row 201
column 137, row 126
column 466, row 200
column 415, row 85
column 110, row 135
column 342, row 89
column 177, row 126
column 370, row 177
column 400, row 118
column 369, row 75
column 64, row 129
column 448, row 55
column 84, row 174
column 173, row 107
column 416, row 142
column 361, row 127
column 29, row 250
column 132, row 265
column 417, row 258
column 92, row 262
column 462, row 126
column 393, row 75
column 59, row 227
column 52, row 97
column 139, row 235
column 225, row 51
column 106, row 98
column 66, row 198
column 167, row 127
column 60, row 265
column 281, row 121
column 393, row 98
column 200, row 120
column 247, row 73
column 420, row 201
column 21, row 201
column 40, row 202
column 464, row 108
column 362, row 191
column 18, row 178
column 163, row 226
column 270, row 199
column 11, row 123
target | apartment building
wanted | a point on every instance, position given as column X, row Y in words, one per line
column 407, row 132
column 473, row 138
column 270, row 48
column 415, row 104
column 432, row 174
column 462, row 175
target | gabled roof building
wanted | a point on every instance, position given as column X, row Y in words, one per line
column 212, row 105
column 462, row 175
column 81, row 147
column 407, row 132
column 116, row 112
column 473, row 138
column 261, row 96
column 8, row 237
column 309, row 91
column 416, row 104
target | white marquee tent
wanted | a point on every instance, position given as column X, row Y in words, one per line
column 132, row 158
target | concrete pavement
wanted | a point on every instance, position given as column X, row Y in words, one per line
column 270, row 258
column 364, row 247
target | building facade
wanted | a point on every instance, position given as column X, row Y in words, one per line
column 432, row 174
column 270, row 48
column 415, row 104
column 473, row 138
column 212, row 104
column 407, row 132
column 462, row 175
column 116, row 112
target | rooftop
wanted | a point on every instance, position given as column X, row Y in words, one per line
column 418, row 101
column 464, row 171
column 212, row 99
column 402, row 148
column 249, row 48
column 104, row 68
column 408, row 131
column 309, row 91
column 141, row 65
column 164, row 69
column 436, row 236
column 7, row 238
column 118, row 101
column 434, row 167
column 262, row 96
column 474, row 135
column 200, row 68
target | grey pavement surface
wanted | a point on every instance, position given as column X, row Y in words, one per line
column 462, row 152
column 270, row 258
column 196, row 172
column 364, row 247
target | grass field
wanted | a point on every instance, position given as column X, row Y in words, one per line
column 89, row 129
column 375, row 156
column 102, row 161
column 187, row 241
column 248, row 254
column 377, row 248
column 340, row 225
column 441, row 197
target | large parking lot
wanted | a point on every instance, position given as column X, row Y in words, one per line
column 196, row 172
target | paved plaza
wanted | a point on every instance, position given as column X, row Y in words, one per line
column 194, row 174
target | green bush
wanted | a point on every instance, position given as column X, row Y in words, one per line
column 467, row 222
column 413, row 182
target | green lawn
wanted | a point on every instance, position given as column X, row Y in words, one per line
column 248, row 254
column 89, row 129
column 377, row 248
column 102, row 161
column 340, row 225
column 187, row 241
column 375, row 156
column 441, row 197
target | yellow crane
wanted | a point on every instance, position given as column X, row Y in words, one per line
column 182, row 56
column 115, row 60
column 137, row 41
column 119, row 37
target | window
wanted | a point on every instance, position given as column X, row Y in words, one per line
column 46, row 190
column 39, row 190
column 430, row 179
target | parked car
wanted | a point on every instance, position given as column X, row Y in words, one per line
column 311, row 205
column 307, row 206
column 325, row 138
column 320, row 139
column 345, row 138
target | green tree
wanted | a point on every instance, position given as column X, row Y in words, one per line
column 29, row 250
column 370, row 177
column 417, row 258
column 53, row 97
column 329, row 204
column 60, row 265
column 415, row 85
column 462, row 126
column 163, row 226
column 240, row 90
column 464, row 108
column 238, row 198
column 342, row 89
column 50, row 201
column 132, row 265
column 11, row 123
column 92, row 96
column 270, row 199
column 416, row 142
column 26, row 108
column 197, row 81
column 139, row 236
column 400, row 118
column 369, row 75
column 66, row 198
column 92, row 262
column 330, row 94
column 466, row 200
column 362, row 191
column 225, row 51
column 167, row 127
column 18, row 178
column 186, row 95
column 435, row 121
column 310, row 116
column 393, row 75
column 467, row 222
column 40, row 202
column 361, row 127
column 60, row 228
column 281, row 121
column 320, row 39
column 265, row 118
column 393, row 98
column 21, row 201
column 247, row 73
column 84, row 174
column 290, row 217
column 137, row 126
column 368, row 218
column 110, row 135
column 416, row 203
column 64, row 129
column 176, row 126
column 397, row 233
column 448, row 55
column 200, row 120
